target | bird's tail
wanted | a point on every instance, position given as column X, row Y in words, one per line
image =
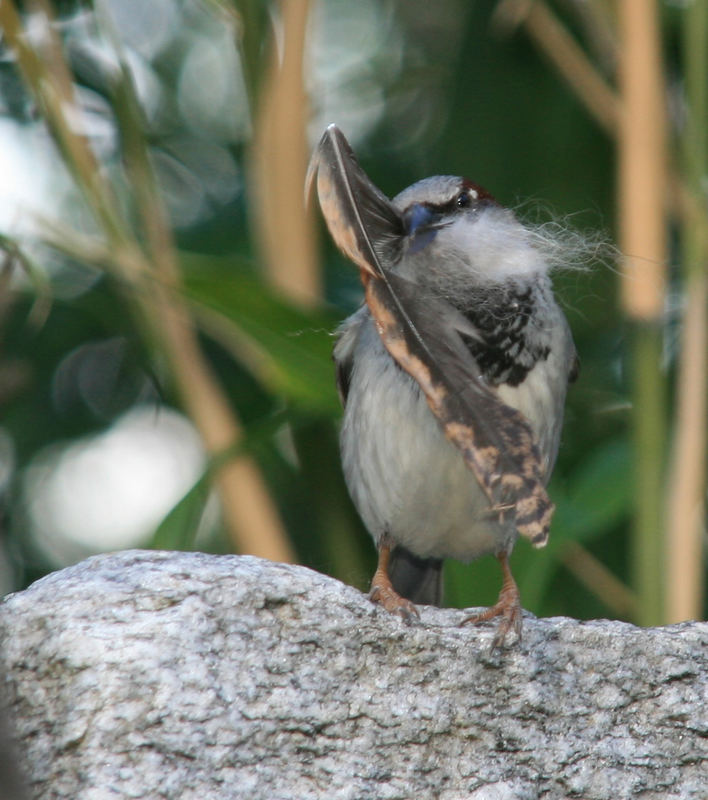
column 417, row 579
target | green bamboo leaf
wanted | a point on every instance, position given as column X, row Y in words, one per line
column 596, row 500
column 473, row 585
column 178, row 529
column 287, row 349
column 598, row 495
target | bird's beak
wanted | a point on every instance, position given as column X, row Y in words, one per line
column 421, row 224
column 363, row 222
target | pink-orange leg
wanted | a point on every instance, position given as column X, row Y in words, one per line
column 382, row 591
column 508, row 607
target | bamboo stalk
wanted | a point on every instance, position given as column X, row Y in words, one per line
column 636, row 118
column 285, row 227
column 595, row 576
column 642, row 157
column 250, row 514
column 600, row 99
column 687, row 479
column 152, row 280
column 559, row 47
column 642, row 189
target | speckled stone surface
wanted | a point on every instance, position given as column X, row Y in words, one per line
column 182, row 675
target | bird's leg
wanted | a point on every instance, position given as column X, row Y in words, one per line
column 508, row 607
column 382, row 591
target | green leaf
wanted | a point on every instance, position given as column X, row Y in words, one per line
column 597, row 499
column 178, row 529
column 598, row 496
column 472, row 585
column 287, row 349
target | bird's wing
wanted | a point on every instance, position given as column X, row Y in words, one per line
column 343, row 354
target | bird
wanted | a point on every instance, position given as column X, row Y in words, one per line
column 452, row 374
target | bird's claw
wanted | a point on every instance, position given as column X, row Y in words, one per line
column 389, row 598
column 508, row 607
column 511, row 619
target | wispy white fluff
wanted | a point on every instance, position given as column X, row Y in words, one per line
column 564, row 247
column 497, row 247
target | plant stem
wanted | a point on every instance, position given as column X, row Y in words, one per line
column 649, row 438
column 251, row 517
column 284, row 226
column 559, row 47
column 148, row 273
column 686, row 503
column 642, row 189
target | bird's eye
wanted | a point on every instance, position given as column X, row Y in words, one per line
column 463, row 199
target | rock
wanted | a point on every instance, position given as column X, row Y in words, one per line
column 183, row 675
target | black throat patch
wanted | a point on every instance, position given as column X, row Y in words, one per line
column 509, row 344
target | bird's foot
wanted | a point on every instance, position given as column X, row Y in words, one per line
column 383, row 593
column 510, row 614
column 508, row 607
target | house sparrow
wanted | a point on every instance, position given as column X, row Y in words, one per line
column 453, row 377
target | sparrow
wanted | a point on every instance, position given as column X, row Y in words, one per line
column 453, row 376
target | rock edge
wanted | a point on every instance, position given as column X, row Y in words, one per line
column 184, row 675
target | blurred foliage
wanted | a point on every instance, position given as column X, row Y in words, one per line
column 446, row 92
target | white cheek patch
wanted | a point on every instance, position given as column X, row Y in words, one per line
column 495, row 246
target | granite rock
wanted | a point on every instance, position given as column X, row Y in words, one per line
column 184, row 675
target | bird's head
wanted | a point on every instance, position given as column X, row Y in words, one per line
column 440, row 230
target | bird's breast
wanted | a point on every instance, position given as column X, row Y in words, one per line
column 406, row 479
